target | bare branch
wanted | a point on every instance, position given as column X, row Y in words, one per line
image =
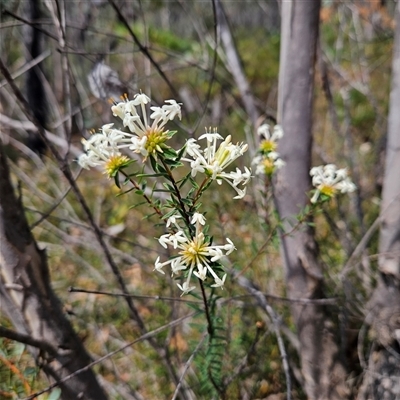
column 146, row 336
column 27, row 339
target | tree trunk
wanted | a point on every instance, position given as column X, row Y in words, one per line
column 382, row 377
column 29, row 301
column 323, row 372
column 234, row 64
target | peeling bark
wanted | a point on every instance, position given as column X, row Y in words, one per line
column 29, row 301
column 382, row 377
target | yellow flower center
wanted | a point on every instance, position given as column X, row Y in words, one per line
column 266, row 146
column 195, row 251
column 155, row 141
column 269, row 166
column 327, row 190
column 114, row 163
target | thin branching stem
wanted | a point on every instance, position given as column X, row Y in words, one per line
column 210, row 328
column 62, row 164
column 200, row 190
column 136, row 296
column 142, row 48
column 187, row 365
column 146, row 336
column 147, row 198
column 177, row 193
column 276, row 325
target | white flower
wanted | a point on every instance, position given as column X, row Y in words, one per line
column 192, row 148
column 279, row 163
column 131, row 121
column 172, row 110
column 201, row 272
column 186, row 288
column 164, row 240
column 139, row 125
column 108, row 138
column 146, row 136
column 196, row 167
column 328, row 180
column 88, row 160
column 269, row 142
column 216, row 254
column 240, row 177
column 118, row 110
column 158, row 113
column 158, row 266
column 267, row 163
column 219, row 282
column 176, row 266
column 240, row 193
column 211, row 137
column 346, row 186
column 197, row 217
column 101, row 150
column 196, row 254
column 140, row 99
column 139, row 145
column 229, row 247
column 265, row 132
column 175, row 239
column 172, row 220
column 213, row 160
column 107, row 129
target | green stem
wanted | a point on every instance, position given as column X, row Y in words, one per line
column 178, row 194
column 147, row 198
column 200, row 191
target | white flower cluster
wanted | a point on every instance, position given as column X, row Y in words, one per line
column 268, row 161
column 100, row 148
column 196, row 253
column 213, row 160
column 328, row 180
column 147, row 135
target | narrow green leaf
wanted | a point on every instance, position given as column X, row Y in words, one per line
column 116, row 180
column 184, row 180
column 169, row 187
column 137, row 205
column 151, row 175
column 125, row 192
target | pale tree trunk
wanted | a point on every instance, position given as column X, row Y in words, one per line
column 323, row 372
column 27, row 298
column 382, row 376
column 234, row 64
